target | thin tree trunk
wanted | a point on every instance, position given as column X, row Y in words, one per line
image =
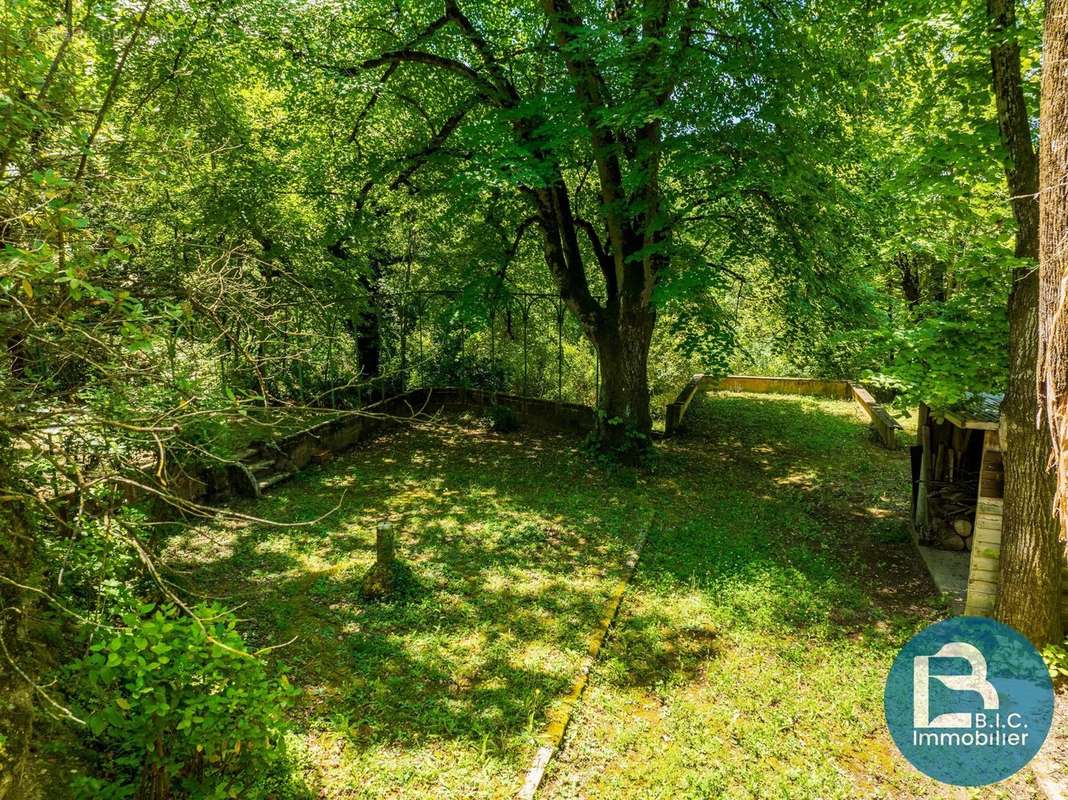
column 16, row 694
column 910, row 278
column 1053, row 245
column 368, row 330
column 1029, row 594
column 109, row 95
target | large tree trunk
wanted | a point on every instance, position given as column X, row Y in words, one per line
column 636, row 229
column 623, row 347
column 1029, row 596
column 16, row 695
column 1053, row 245
column 1031, row 556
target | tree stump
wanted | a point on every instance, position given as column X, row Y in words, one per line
column 380, row 581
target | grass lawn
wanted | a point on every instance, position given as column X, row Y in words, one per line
column 775, row 588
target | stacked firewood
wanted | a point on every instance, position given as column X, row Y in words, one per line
column 952, row 507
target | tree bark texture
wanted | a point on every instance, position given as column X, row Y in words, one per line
column 1029, row 593
column 1053, row 247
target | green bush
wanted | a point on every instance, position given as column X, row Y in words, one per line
column 1056, row 656
column 503, row 419
column 178, row 709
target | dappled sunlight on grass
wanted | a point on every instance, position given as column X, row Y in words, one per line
column 777, row 583
column 749, row 657
column 450, row 682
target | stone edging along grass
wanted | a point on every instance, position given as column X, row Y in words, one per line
column 268, row 464
column 553, row 735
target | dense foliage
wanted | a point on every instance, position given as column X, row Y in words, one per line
column 220, row 219
column 178, row 705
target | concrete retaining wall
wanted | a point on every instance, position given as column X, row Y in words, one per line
column 815, row 387
column 279, row 459
column 885, row 426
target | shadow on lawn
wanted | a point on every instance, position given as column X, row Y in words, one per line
column 839, row 490
column 508, row 585
column 514, row 542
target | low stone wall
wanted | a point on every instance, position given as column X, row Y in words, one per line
column 677, row 409
column 815, row 387
column 530, row 411
column 268, row 463
column 885, row 426
column 320, row 442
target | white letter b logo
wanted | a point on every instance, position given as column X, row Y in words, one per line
column 974, row 682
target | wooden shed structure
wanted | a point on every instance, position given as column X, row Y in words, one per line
column 956, row 467
column 983, row 566
column 958, row 495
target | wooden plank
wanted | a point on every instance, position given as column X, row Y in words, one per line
column 986, row 571
column 979, row 606
column 991, row 577
column 969, row 424
column 986, row 552
column 987, row 534
column 975, row 578
column 984, row 577
column 991, row 487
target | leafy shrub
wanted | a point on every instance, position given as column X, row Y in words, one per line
column 471, row 371
column 177, row 709
column 617, row 443
column 1056, row 656
column 503, row 419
